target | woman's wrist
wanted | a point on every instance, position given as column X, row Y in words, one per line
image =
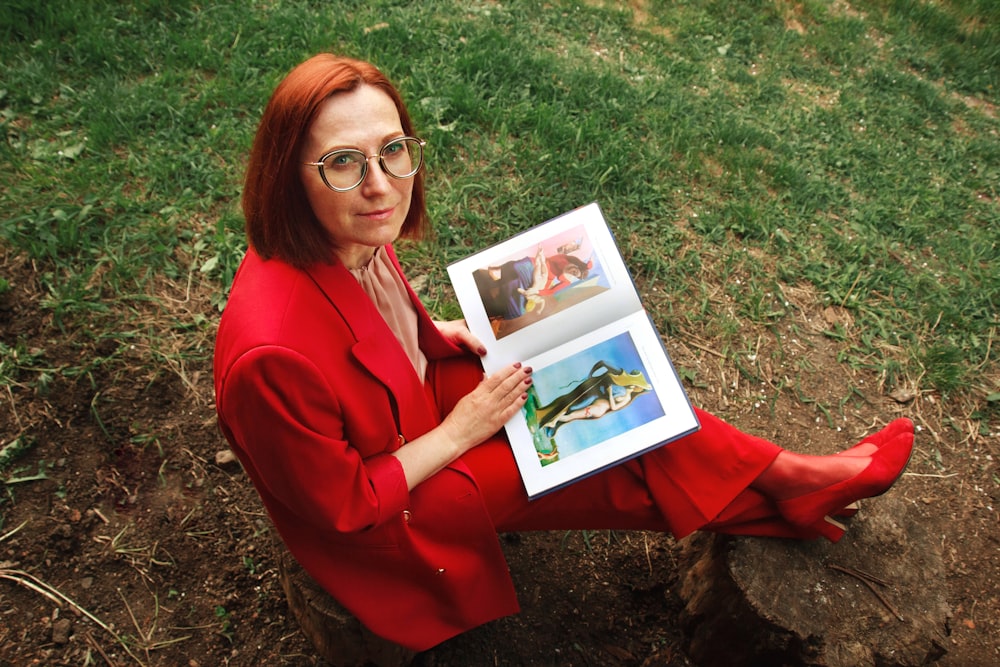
column 453, row 442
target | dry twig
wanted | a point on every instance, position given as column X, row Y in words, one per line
column 11, row 532
column 868, row 580
column 53, row 594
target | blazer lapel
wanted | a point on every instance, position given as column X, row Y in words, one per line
column 376, row 347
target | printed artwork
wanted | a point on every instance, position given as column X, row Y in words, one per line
column 588, row 398
column 535, row 283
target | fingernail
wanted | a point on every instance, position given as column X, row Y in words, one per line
column 482, row 351
column 529, row 369
column 529, row 381
column 517, row 364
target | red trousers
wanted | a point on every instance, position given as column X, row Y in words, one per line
column 699, row 482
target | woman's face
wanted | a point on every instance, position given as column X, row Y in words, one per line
column 372, row 214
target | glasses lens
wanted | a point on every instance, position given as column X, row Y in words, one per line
column 344, row 169
column 402, row 158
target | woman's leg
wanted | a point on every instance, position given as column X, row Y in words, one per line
column 680, row 487
column 719, row 479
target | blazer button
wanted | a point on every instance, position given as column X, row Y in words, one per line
column 406, row 516
column 440, row 570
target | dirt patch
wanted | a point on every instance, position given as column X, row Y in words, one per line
column 124, row 541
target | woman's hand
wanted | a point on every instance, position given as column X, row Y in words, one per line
column 459, row 335
column 483, row 411
column 478, row 415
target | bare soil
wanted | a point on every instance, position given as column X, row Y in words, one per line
column 138, row 547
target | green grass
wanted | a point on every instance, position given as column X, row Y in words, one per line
column 737, row 148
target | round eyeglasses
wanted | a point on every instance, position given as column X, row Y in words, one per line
column 345, row 168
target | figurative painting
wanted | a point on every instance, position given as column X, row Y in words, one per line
column 537, row 282
column 588, row 398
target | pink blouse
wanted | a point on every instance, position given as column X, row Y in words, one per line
column 385, row 287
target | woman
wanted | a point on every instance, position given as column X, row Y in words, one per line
column 370, row 431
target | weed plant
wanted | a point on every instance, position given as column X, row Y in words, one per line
column 750, row 147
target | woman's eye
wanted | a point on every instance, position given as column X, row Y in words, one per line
column 341, row 160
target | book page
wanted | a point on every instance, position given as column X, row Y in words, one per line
column 597, row 400
column 544, row 287
column 559, row 298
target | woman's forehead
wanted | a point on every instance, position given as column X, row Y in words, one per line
column 360, row 116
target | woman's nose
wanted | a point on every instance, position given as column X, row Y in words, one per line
column 376, row 180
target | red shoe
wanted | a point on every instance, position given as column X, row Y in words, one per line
column 894, row 428
column 876, row 440
column 848, row 511
column 812, row 510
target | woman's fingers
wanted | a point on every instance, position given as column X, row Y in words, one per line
column 464, row 338
column 491, row 404
column 508, row 383
column 458, row 333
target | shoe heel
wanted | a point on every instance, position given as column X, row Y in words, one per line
column 848, row 511
column 831, row 529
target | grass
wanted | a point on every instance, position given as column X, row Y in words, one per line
column 761, row 163
column 739, row 149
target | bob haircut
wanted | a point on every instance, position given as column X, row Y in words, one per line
column 279, row 221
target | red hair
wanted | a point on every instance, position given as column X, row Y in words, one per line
column 279, row 221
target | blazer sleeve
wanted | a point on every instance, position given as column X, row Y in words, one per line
column 289, row 424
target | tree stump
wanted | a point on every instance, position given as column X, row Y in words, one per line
column 339, row 638
column 755, row 601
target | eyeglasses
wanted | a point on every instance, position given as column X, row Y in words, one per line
column 345, row 168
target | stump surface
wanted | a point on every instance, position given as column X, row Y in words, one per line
column 752, row 601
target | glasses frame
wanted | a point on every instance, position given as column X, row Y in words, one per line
column 364, row 165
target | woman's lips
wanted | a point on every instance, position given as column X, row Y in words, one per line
column 378, row 216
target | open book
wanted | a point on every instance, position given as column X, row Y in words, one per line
column 559, row 298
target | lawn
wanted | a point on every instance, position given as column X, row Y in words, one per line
column 775, row 173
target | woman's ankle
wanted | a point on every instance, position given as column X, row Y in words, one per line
column 791, row 475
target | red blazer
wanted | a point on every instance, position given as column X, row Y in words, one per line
column 313, row 392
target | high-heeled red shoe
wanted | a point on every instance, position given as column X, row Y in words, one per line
column 812, row 510
column 868, row 447
column 847, row 511
column 880, row 438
